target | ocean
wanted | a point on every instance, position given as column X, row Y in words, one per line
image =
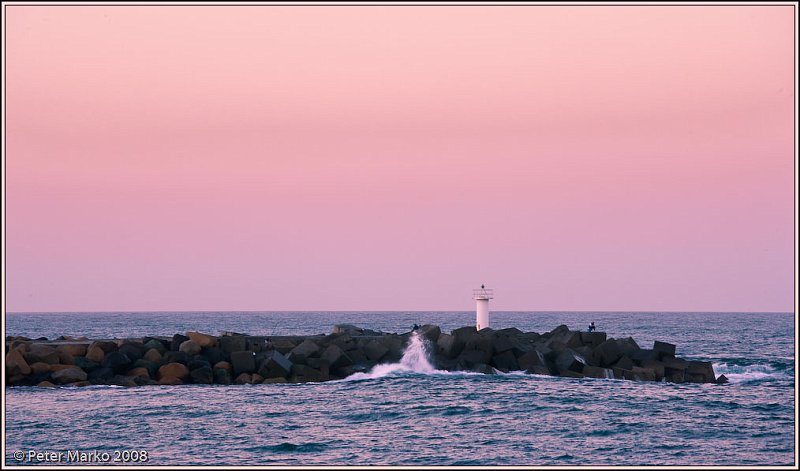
column 412, row 414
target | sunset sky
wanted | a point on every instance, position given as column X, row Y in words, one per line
column 395, row 157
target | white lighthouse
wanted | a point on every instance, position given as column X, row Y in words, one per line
column 482, row 296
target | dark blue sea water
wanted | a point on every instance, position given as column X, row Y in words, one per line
column 414, row 415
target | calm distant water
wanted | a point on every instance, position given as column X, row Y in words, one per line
column 414, row 415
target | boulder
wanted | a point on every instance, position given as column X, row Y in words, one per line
column 40, row 367
column 16, row 364
column 177, row 340
column 593, row 339
column 176, row 357
column 117, row 361
column 430, row 332
column 675, row 363
column 244, row 378
column 198, row 363
column 58, row 367
column 505, row 361
column 722, row 379
column 304, row 373
column 69, row 375
column 700, row 372
column 150, row 366
column 483, row 341
column 155, row 344
column 275, row 365
column 204, row 340
column 464, row 333
column 306, row 349
column 95, row 353
column 568, row 360
column 214, row 355
column 375, row 350
column 139, row 371
column 173, row 370
column 189, row 347
column 624, row 363
column 134, row 351
column 170, row 381
column 607, row 353
column 100, row 375
column 531, row 359
column 627, row 345
column 468, row 359
column 640, row 374
column 222, row 376
column 394, row 343
column 45, row 384
column 223, row 365
column 663, row 349
column 243, row 362
column 502, row 343
column 73, row 350
column 449, row 346
column 152, row 355
column 336, row 357
column 202, row 375
column 656, row 366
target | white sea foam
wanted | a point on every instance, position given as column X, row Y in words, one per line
column 415, row 360
column 749, row 373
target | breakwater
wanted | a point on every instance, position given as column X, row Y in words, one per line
column 231, row 358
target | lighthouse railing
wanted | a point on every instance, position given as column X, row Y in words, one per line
column 483, row 293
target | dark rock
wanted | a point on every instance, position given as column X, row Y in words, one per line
column 375, row 350
column 449, row 346
column 663, row 349
column 107, row 346
column 284, row 346
column 642, row 355
column 214, row 355
column 505, row 361
column 304, row 373
column 593, row 339
column 202, row 375
column 502, row 343
column 307, row 349
column 568, row 360
column 531, row 359
column 150, row 366
column 336, row 357
column 624, row 363
column 275, row 365
column 132, row 351
column 321, row 365
column 675, row 363
column 100, row 375
column 675, row 375
column 85, row 364
column 722, row 379
column 482, row 341
column 118, row 362
column 464, row 333
column 469, row 358
column 430, row 332
column 177, row 340
column 222, row 376
column 607, row 353
column 484, row 368
column 232, row 343
column 539, row 370
column 640, row 374
column 198, row 363
column 656, row 366
column 357, row 356
column 157, row 345
column 700, row 372
column 243, row 362
column 177, row 357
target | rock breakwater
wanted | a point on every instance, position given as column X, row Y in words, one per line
column 231, row 358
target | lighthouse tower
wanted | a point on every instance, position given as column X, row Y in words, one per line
column 482, row 296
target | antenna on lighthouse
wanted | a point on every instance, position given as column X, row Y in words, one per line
column 482, row 296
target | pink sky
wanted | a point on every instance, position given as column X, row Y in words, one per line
column 271, row 158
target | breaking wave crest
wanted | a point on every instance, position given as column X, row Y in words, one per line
column 752, row 373
column 415, row 360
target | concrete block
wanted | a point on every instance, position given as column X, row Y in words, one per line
column 232, row 343
column 275, row 365
column 593, row 339
column 336, row 357
column 375, row 350
column 531, row 359
column 664, row 349
column 243, row 362
column 568, row 360
column 597, row 372
column 505, row 361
